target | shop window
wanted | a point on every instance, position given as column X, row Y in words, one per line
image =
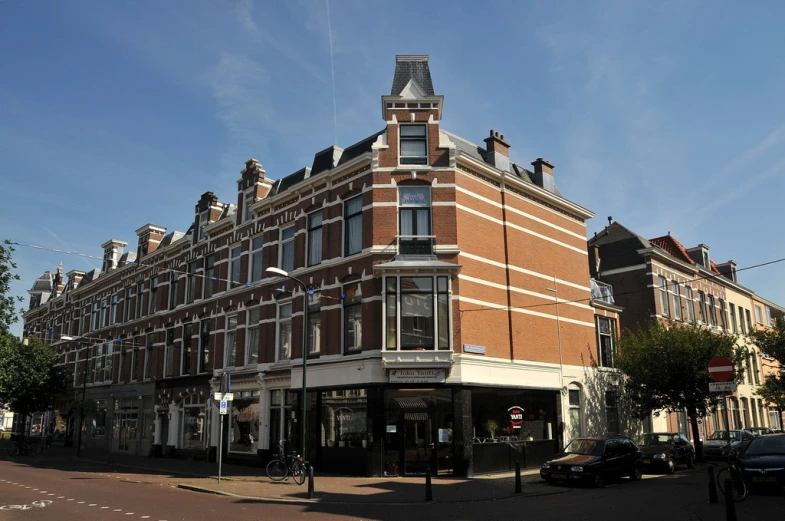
column 606, row 341
column 345, row 420
column 193, row 422
column 284, row 351
column 244, row 422
column 352, row 318
column 353, row 222
column 230, row 343
column 417, row 311
column 252, row 336
column 314, row 340
column 281, row 425
column 99, row 420
column 576, row 413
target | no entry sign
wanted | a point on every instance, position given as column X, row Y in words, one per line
column 721, row 369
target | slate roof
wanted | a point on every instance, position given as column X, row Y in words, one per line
column 412, row 68
column 43, row 283
column 479, row 153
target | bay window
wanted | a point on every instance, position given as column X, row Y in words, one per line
column 417, row 312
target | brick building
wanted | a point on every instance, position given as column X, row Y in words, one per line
column 451, row 317
column 661, row 279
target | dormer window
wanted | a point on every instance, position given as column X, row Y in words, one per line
column 202, row 224
column 414, row 149
column 706, row 259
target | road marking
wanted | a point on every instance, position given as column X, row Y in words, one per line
column 27, row 487
column 129, row 513
column 102, row 508
column 118, row 509
column 145, row 517
column 35, row 489
column 50, row 494
column 80, row 502
column 69, row 499
column 60, row 497
column 91, row 505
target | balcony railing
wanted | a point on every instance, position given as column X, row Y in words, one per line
column 602, row 291
column 415, row 244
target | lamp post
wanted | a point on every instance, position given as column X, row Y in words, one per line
column 303, row 407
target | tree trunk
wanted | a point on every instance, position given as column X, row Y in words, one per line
column 696, row 437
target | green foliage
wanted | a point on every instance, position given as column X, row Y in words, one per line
column 773, row 391
column 29, row 379
column 772, row 341
column 8, row 313
column 667, row 367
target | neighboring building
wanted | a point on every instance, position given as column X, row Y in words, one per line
column 661, row 279
column 766, row 315
column 449, row 291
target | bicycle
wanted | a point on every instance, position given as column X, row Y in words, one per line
column 733, row 472
column 283, row 466
column 23, row 448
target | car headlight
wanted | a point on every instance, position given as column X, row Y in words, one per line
column 660, row 456
column 546, row 465
column 576, row 469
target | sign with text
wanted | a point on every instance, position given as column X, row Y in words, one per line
column 417, row 376
column 223, row 397
column 516, row 416
column 722, row 387
column 471, row 348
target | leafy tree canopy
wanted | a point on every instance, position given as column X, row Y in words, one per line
column 29, row 379
column 772, row 343
column 667, row 367
column 7, row 302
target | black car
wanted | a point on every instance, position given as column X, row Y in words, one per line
column 662, row 451
column 763, row 462
column 594, row 460
column 760, row 431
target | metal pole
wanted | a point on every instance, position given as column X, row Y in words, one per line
column 727, row 420
column 220, row 448
column 81, row 408
column 305, row 359
column 712, row 486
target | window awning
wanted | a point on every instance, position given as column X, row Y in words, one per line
column 411, row 408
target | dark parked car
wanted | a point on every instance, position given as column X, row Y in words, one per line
column 662, row 451
column 760, row 431
column 717, row 445
column 763, row 462
column 595, row 460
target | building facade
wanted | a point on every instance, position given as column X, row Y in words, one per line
column 451, row 319
column 661, row 279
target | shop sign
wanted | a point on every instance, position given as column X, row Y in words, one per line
column 417, row 376
column 516, row 416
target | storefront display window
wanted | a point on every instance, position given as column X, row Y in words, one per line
column 281, row 427
column 344, row 418
column 99, row 420
column 513, row 415
column 193, row 426
column 244, row 422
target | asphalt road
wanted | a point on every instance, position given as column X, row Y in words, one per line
column 97, row 493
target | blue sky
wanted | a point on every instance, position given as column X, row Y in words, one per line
column 669, row 116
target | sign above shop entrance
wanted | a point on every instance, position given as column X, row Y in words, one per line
column 417, row 376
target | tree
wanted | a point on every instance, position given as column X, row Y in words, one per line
column 772, row 343
column 7, row 302
column 666, row 368
column 29, row 379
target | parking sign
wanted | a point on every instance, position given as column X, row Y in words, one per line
column 223, row 406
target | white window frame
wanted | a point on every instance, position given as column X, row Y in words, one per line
column 113, row 309
column 758, row 314
column 733, row 323
column 152, row 304
column 287, row 243
column 676, row 290
column 169, row 353
column 611, row 333
column 185, row 348
column 689, row 298
column 252, row 329
column 664, row 299
column 315, row 234
column 104, row 312
column 314, row 328
column 230, row 341
column 711, row 310
column 576, row 430
column 256, row 256
column 235, row 266
column 283, row 322
column 209, row 279
column 412, row 159
column 353, row 301
column 348, row 220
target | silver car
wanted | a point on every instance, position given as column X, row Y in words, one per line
column 717, row 444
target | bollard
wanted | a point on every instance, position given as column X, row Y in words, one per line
column 712, row 486
column 730, row 505
column 428, row 487
column 517, row 477
column 310, row 481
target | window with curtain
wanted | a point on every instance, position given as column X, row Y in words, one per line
column 702, row 305
column 209, row 277
column 689, row 304
column 576, row 420
column 413, row 145
column 256, row 259
column 663, row 287
column 230, row 345
column 353, row 221
column 234, row 266
column 712, row 311
column 314, row 340
column 287, row 249
column 418, row 312
column 676, row 299
column 252, row 336
column 352, row 318
column 606, row 341
column 315, row 238
column 284, row 331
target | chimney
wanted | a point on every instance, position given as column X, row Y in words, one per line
column 543, row 174
column 59, row 282
column 150, row 236
column 208, row 210
column 498, row 151
column 113, row 250
column 74, row 278
column 594, row 259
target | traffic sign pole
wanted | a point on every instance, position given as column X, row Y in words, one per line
column 220, row 448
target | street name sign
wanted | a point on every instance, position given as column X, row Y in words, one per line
column 223, row 397
column 721, row 369
column 722, row 387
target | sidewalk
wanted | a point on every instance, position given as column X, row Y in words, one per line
column 252, row 482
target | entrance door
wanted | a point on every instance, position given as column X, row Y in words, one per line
column 418, row 443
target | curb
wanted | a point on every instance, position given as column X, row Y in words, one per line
column 205, row 490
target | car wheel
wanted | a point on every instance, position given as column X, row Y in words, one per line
column 690, row 462
column 599, row 480
column 670, row 467
column 637, row 473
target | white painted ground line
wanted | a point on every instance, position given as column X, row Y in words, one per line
column 103, row 508
column 91, row 505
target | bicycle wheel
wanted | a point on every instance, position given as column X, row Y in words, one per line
column 12, row 449
column 738, row 488
column 277, row 470
column 298, row 472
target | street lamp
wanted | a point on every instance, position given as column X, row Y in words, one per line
column 282, row 273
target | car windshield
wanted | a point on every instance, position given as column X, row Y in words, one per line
column 723, row 435
column 584, row 446
column 767, row 445
column 657, row 439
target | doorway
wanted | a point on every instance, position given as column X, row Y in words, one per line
column 418, row 443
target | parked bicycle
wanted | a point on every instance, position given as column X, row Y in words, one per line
column 734, row 472
column 282, row 466
column 23, row 447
